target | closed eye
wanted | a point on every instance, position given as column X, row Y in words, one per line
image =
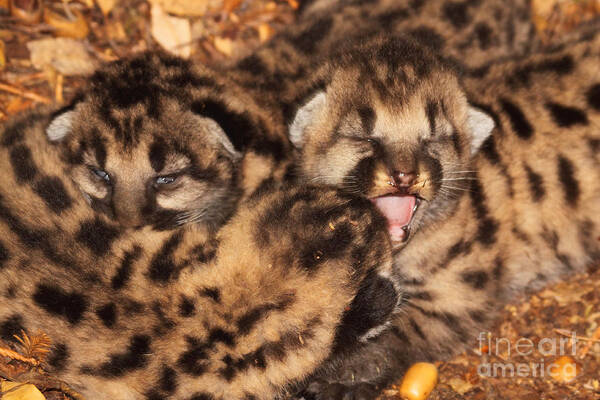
column 98, row 173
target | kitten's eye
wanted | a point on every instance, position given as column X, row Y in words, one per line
column 165, row 180
column 100, row 174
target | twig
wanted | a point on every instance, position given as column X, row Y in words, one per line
column 595, row 339
column 16, row 356
column 24, row 93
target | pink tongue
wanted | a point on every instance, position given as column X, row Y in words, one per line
column 398, row 210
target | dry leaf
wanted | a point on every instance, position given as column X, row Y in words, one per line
column 188, row 8
column 31, row 15
column 265, row 32
column 67, row 56
column 63, row 26
column 224, row 45
column 106, row 5
column 20, row 391
column 172, row 33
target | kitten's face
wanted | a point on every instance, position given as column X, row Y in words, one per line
column 165, row 171
column 140, row 153
column 393, row 125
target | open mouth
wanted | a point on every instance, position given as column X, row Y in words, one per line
column 399, row 212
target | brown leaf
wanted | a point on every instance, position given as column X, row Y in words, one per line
column 67, row 56
column 65, row 27
column 172, row 33
column 106, row 5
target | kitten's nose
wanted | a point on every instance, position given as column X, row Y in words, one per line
column 404, row 179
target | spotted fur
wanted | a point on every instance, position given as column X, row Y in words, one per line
column 296, row 274
column 519, row 213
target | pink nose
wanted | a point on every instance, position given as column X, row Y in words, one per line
column 405, row 179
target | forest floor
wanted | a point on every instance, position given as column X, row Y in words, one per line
column 45, row 56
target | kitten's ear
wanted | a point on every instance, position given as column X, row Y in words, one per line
column 481, row 126
column 61, row 125
column 218, row 136
column 305, row 116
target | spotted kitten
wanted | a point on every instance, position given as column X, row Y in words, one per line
column 483, row 197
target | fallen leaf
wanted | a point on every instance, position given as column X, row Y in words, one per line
column 63, row 26
column 265, row 32
column 67, row 56
column 172, row 33
column 188, row 8
column 30, row 15
column 20, row 391
column 106, row 5
column 224, row 45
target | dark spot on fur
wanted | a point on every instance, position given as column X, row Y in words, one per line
column 594, row 145
column 123, row 274
column 205, row 253
column 4, row 255
column 108, row 314
column 518, row 121
column 484, row 35
column 417, row 328
column 477, row 279
column 54, row 194
column 536, row 184
column 428, row 37
column 315, row 252
column 367, row 119
column 99, row 149
column 431, row 110
column 522, row 76
column 498, row 270
column 566, row 175
column 194, row 360
column 217, row 335
column 246, row 322
column 389, row 19
column 307, row 41
column 97, row 235
column 168, row 379
column 35, row 239
column 53, row 299
column 158, row 154
column 253, row 64
column 22, row 164
column 59, row 356
column 566, row 116
column 212, row 293
column 593, row 97
column 186, row 307
column 488, row 149
column 135, row 357
column 478, row 316
column 10, row 327
column 486, row 232
column 163, row 267
column 457, row 13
